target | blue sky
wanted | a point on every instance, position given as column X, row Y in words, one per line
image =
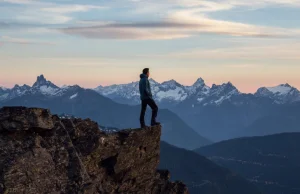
column 91, row 43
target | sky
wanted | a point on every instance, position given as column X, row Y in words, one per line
column 103, row 42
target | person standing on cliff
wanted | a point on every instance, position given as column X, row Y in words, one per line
column 147, row 99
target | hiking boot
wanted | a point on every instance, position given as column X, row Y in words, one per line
column 154, row 123
column 143, row 126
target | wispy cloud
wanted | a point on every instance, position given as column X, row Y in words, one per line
column 276, row 51
column 181, row 19
column 23, row 2
column 42, row 12
column 12, row 40
column 134, row 33
column 62, row 9
column 169, row 28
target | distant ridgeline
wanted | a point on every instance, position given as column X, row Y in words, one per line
column 270, row 162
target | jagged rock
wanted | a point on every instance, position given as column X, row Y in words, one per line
column 40, row 153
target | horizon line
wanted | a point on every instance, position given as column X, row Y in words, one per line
column 229, row 82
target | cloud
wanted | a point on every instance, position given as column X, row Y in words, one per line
column 12, row 40
column 189, row 25
column 261, row 51
column 27, row 2
column 24, row 2
column 219, row 5
column 62, row 9
column 8, row 25
column 181, row 19
column 40, row 17
column 113, row 32
column 41, row 12
column 176, row 19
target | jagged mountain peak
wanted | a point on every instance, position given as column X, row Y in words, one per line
column 281, row 89
column 286, row 85
column 3, row 88
column 42, row 81
column 152, row 81
column 227, row 86
column 171, row 82
column 280, row 94
column 199, row 82
column 23, row 86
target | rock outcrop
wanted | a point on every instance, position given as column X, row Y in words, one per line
column 41, row 153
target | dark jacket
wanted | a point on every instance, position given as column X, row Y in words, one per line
column 145, row 89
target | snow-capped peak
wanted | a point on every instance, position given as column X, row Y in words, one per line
column 282, row 89
column 45, row 87
column 3, row 88
column 152, row 81
column 41, row 81
column 199, row 83
column 99, row 88
column 280, row 94
column 170, row 83
column 225, row 87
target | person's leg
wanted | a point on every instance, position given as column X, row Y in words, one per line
column 154, row 108
column 143, row 110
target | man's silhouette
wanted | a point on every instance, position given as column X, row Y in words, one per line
column 147, row 99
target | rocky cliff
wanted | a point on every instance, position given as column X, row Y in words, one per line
column 41, row 153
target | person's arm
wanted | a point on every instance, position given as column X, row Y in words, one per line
column 146, row 88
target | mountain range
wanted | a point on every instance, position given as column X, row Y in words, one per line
column 171, row 93
column 166, row 93
column 270, row 162
column 218, row 112
column 86, row 103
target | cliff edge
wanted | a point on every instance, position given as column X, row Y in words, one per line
column 41, row 153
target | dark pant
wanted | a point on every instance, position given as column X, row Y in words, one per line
column 154, row 108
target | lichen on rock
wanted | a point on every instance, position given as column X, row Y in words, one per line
column 41, row 153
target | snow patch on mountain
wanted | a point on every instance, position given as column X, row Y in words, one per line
column 171, row 92
column 73, row 96
column 281, row 94
column 3, row 88
column 200, row 99
column 4, row 96
column 281, row 89
column 48, row 90
column 220, row 100
column 176, row 94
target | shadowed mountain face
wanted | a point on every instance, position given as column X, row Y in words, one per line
column 254, row 117
column 85, row 103
column 202, row 175
column 270, row 162
column 41, row 153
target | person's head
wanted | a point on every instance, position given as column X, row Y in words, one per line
column 146, row 72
